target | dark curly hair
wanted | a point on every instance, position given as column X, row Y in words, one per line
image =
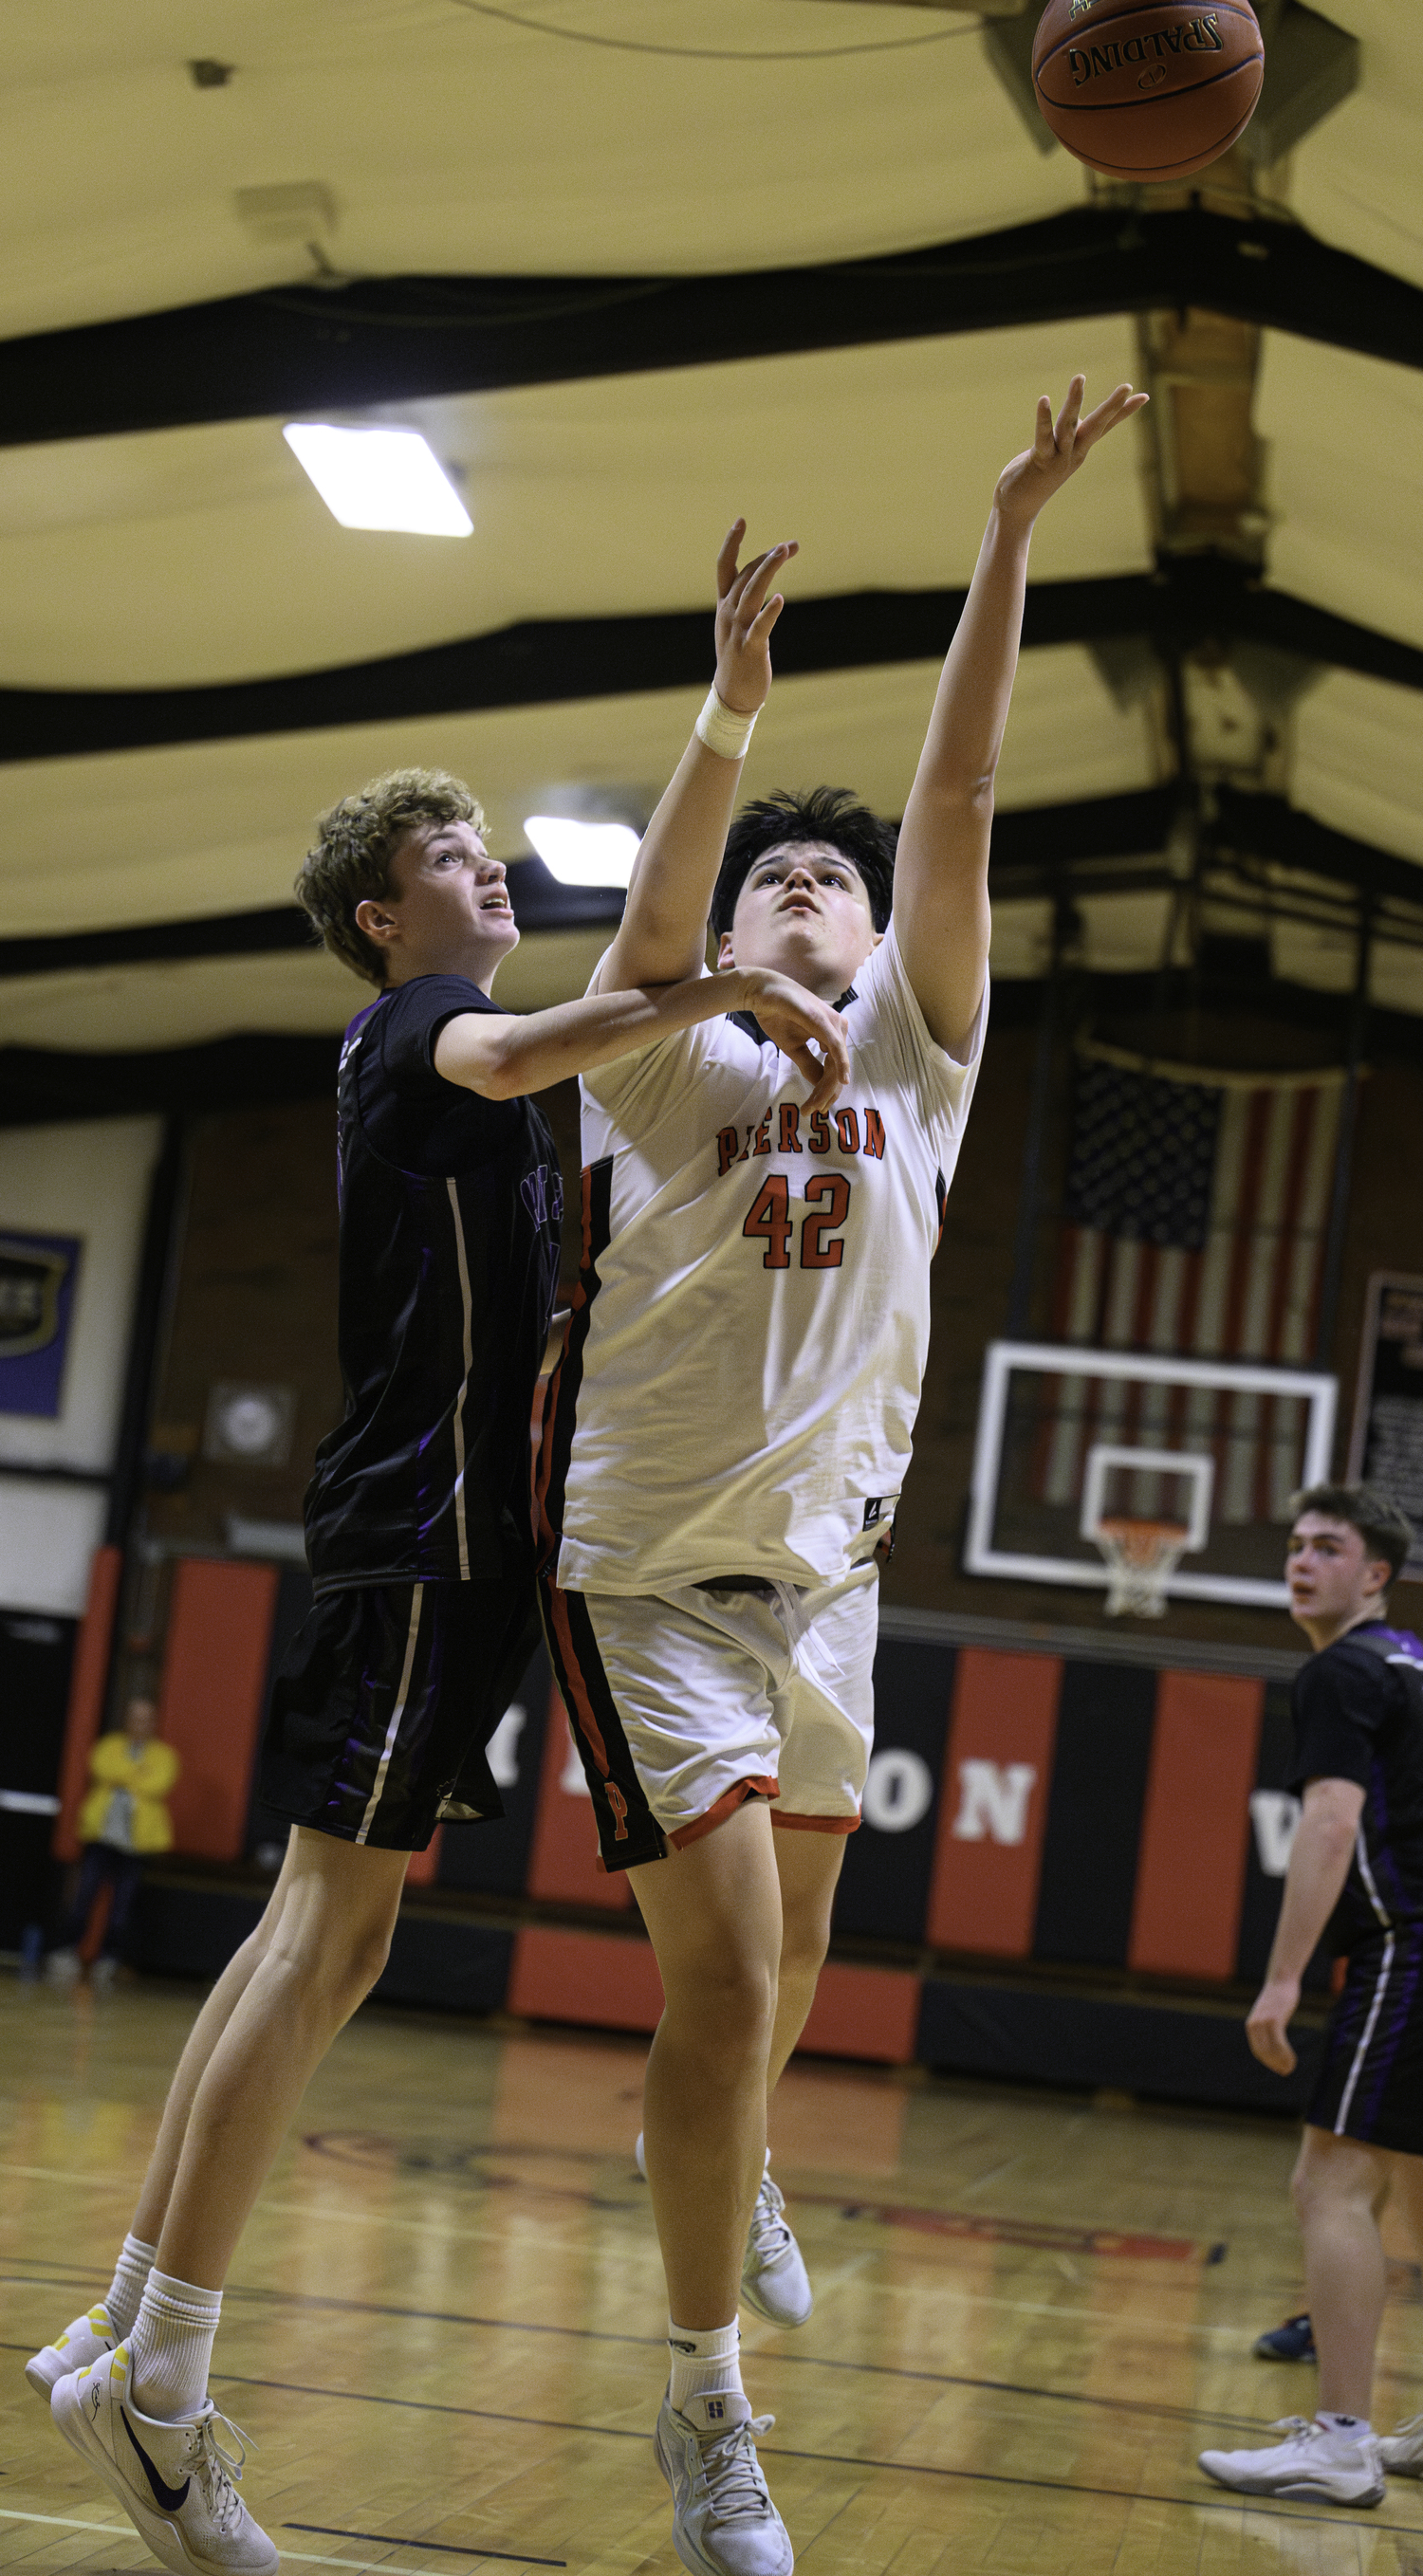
column 821, row 814
column 1385, row 1530
column 354, row 847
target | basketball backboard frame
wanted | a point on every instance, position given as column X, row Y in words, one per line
column 1315, row 1388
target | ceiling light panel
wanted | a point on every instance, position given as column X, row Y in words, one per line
column 379, row 478
column 583, row 854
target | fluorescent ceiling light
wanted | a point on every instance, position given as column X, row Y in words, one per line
column 583, row 854
column 379, row 478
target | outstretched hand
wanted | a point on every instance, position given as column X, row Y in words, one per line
column 744, row 619
column 1059, row 448
column 798, row 1023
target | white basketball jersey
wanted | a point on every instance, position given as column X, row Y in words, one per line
column 748, row 1340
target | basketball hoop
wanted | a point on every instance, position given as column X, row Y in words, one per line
column 1141, row 1558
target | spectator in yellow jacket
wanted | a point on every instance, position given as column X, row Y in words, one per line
column 123, row 1818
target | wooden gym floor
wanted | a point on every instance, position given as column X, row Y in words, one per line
column 444, row 2329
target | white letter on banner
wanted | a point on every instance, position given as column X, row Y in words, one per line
column 994, row 1801
column 899, row 1789
column 502, row 1751
column 1275, row 1816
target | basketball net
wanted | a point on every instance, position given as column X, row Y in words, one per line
column 1141, row 1557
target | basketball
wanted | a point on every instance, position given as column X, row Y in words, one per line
column 1147, row 89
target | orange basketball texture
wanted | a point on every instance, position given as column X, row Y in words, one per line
column 1148, row 89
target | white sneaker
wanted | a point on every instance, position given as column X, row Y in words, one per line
column 774, row 2280
column 62, row 1967
column 723, row 2520
column 86, row 2339
column 1401, row 2451
column 1315, row 2462
column 103, row 1974
column 175, row 2482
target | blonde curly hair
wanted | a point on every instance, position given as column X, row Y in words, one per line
column 355, row 844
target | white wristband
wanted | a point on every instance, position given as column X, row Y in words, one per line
column 723, row 730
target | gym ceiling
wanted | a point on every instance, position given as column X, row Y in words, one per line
column 634, row 267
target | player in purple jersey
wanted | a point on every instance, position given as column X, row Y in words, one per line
column 1356, row 1871
column 420, row 1539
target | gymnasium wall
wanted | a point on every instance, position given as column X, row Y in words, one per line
column 81, row 1189
column 1069, row 1863
column 84, row 1186
column 974, row 1268
column 1075, row 1923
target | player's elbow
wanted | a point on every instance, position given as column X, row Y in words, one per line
column 965, row 792
column 500, row 1082
column 497, row 1075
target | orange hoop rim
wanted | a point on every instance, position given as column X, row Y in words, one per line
column 1142, row 1542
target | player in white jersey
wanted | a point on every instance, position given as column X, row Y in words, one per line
column 732, row 1421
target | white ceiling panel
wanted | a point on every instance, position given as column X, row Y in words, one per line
column 99, row 1010
column 222, row 827
column 626, row 136
column 205, row 554
column 1355, row 179
column 1358, row 762
column 1345, row 481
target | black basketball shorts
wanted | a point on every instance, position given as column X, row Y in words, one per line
column 1371, row 2085
column 385, row 1702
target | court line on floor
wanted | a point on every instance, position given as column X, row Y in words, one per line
column 302, row 2299
column 351, row 2147
column 776, row 2451
column 403, row 2540
column 884, row 2370
column 303, row 2557
column 820, row 2459
column 941, row 2291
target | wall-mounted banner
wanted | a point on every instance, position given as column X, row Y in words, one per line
column 37, row 1276
column 1387, row 1445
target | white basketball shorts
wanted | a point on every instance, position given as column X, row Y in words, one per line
column 685, row 1702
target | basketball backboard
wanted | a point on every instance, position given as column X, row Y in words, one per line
column 1072, row 1439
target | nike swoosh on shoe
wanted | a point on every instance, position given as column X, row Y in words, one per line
column 172, row 2499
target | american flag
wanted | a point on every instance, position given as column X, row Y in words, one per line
column 1195, row 1215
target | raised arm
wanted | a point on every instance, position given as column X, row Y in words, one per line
column 941, row 871
column 662, row 936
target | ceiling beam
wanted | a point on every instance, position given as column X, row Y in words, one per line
column 1189, row 600
column 390, row 340
column 1084, row 846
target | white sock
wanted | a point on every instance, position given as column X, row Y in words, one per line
column 129, row 2283
column 1350, row 2428
column 706, row 2371
column 171, row 2346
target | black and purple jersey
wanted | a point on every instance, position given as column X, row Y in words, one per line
column 1358, row 1715
column 449, row 1245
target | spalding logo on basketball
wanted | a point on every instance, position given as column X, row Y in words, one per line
column 1142, row 91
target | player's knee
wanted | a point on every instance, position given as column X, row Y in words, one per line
column 805, row 1940
column 366, row 1960
column 1320, row 2185
column 727, row 2007
column 335, row 1964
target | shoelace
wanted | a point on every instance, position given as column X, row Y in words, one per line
column 1303, row 2427
column 770, row 2235
column 219, row 2471
column 736, row 2485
